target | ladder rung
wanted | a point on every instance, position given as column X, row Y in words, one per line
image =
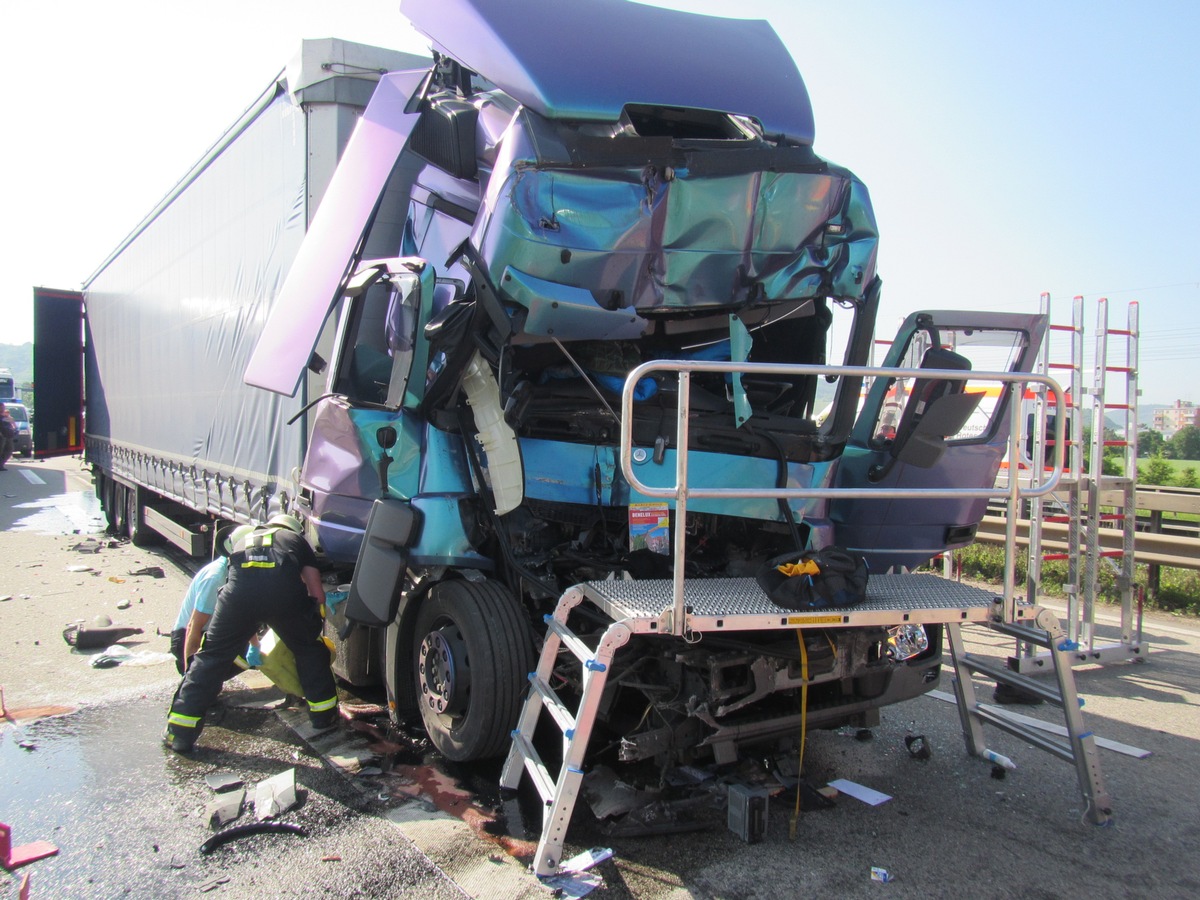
column 535, row 767
column 1062, row 365
column 1026, row 633
column 1124, row 331
column 1063, row 328
column 1117, row 406
column 581, row 650
column 1039, row 740
column 1125, row 369
column 553, row 705
column 1053, row 557
column 1005, row 675
column 1116, row 443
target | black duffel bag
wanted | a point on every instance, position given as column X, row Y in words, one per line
column 825, row 579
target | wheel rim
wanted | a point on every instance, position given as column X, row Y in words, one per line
column 445, row 676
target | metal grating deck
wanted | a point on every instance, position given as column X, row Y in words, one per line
column 739, row 604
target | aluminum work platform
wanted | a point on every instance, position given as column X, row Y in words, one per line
column 739, row 604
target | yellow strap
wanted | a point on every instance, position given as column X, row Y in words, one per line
column 794, row 825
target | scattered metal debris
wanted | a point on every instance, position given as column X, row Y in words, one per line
column 152, row 571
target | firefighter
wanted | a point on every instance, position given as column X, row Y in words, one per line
column 273, row 578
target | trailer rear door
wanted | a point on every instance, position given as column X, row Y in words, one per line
column 57, row 372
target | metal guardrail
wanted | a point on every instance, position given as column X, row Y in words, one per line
column 682, row 490
column 1154, row 549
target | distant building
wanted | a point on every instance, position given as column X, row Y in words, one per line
column 1172, row 418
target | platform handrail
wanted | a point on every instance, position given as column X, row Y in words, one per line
column 681, row 491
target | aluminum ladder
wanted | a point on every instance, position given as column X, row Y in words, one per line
column 1079, row 747
column 1088, row 491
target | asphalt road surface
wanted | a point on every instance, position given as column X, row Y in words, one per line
column 81, row 766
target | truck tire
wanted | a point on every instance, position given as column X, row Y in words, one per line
column 471, row 656
column 139, row 534
column 104, row 491
column 119, row 522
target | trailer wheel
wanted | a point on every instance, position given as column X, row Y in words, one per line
column 135, row 524
column 104, row 491
column 471, row 655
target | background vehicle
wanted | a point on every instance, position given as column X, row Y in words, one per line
column 434, row 387
column 23, row 443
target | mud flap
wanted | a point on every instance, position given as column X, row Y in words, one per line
column 382, row 562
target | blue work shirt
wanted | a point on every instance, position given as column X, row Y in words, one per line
column 201, row 594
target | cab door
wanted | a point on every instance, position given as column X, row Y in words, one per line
column 917, row 432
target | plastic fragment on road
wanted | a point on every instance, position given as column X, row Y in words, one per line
column 226, row 808
column 878, row 873
column 14, row 857
column 152, row 571
column 867, row 795
column 222, row 781
column 79, row 569
column 275, row 795
column 573, row 880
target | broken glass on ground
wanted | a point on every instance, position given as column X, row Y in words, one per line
column 276, row 795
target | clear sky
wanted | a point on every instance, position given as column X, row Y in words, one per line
column 1009, row 148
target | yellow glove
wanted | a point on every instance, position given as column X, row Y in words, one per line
column 808, row 567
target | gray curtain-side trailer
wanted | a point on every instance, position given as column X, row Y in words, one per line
column 176, row 439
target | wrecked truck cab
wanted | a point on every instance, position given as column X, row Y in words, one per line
column 503, row 242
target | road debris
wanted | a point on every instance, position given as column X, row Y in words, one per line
column 878, row 873
column 152, row 571
column 14, row 857
column 97, row 637
column 918, row 746
column 222, row 781
column 867, row 795
column 226, row 808
column 276, row 795
column 241, row 831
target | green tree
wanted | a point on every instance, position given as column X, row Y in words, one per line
column 1185, row 443
column 1187, row 478
column 1156, row 471
column 1150, row 443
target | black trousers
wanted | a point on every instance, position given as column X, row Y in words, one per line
column 296, row 622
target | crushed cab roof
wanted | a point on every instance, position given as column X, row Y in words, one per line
column 586, row 59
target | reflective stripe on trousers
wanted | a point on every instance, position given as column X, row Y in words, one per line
column 322, row 705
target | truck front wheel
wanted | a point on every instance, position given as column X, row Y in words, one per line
column 471, row 655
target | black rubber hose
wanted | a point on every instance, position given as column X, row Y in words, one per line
column 240, row 831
